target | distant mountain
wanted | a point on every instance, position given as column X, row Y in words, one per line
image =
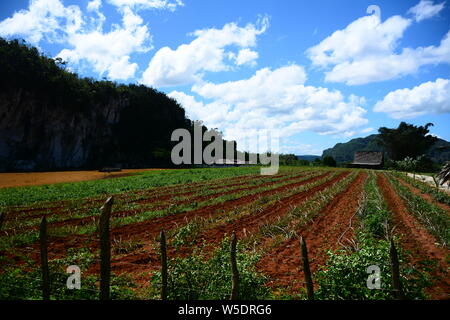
column 344, row 152
column 308, row 157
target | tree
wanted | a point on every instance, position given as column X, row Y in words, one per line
column 406, row 141
column 407, row 164
column 316, row 162
column 329, row 161
column 288, row 159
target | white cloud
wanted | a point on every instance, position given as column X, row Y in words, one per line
column 44, row 19
column 427, row 98
column 246, row 56
column 110, row 52
column 86, row 43
column 258, row 90
column 367, row 130
column 206, row 52
column 361, row 38
column 366, row 51
column 275, row 100
column 290, row 146
column 94, row 5
column 148, row 4
column 425, row 9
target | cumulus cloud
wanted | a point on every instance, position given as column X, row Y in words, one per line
column 245, row 56
column 425, row 9
column 110, row 52
column 361, row 38
column 429, row 97
column 366, row 51
column 44, row 19
column 87, row 44
column 277, row 100
column 206, row 52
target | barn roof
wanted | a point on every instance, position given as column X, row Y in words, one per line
column 368, row 158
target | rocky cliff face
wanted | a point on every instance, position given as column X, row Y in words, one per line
column 50, row 118
column 35, row 134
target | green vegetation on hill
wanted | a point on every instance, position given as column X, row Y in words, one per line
column 50, row 118
column 344, row 152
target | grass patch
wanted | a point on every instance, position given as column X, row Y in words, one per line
column 201, row 276
column 24, row 282
column 344, row 276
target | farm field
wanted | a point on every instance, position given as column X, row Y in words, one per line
column 346, row 216
column 8, row 180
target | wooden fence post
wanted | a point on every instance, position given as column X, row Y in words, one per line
column 44, row 259
column 2, row 218
column 306, row 270
column 395, row 272
column 234, row 269
column 163, row 265
column 105, row 250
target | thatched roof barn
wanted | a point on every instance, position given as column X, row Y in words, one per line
column 368, row 159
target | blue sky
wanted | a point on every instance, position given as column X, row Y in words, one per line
column 315, row 72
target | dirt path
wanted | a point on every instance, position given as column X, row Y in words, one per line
column 333, row 223
column 417, row 240
column 8, row 180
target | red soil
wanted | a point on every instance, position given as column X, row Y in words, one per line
column 417, row 240
column 125, row 213
column 147, row 258
column 63, row 208
column 222, row 193
column 149, row 229
column 252, row 223
column 331, row 225
column 425, row 196
column 154, row 194
column 244, row 227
